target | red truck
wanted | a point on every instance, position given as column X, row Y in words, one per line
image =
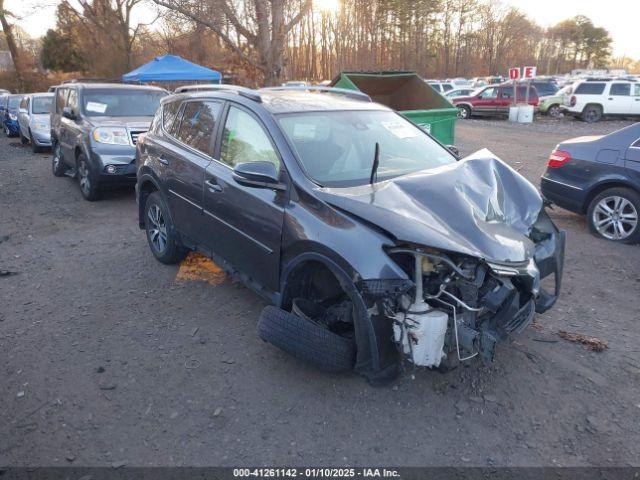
column 493, row 100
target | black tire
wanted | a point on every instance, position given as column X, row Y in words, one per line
column 23, row 140
column 34, row 145
column 464, row 112
column 157, row 218
column 591, row 113
column 608, row 231
column 89, row 186
column 554, row 111
column 57, row 164
column 7, row 132
column 307, row 341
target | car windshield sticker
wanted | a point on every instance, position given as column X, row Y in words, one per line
column 304, row 131
column 400, row 129
column 96, row 107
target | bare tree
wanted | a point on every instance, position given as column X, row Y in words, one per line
column 16, row 55
column 258, row 28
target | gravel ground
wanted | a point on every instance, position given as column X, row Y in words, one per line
column 107, row 360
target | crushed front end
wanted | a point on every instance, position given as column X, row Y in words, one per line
column 457, row 307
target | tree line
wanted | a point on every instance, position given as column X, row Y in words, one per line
column 268, row 41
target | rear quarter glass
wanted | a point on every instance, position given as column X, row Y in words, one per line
column 590, row 88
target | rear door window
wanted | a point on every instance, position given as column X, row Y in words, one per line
column 170, row 118
column 636, row 90
column 198, row 123
column 620, row 89
column 590, row 88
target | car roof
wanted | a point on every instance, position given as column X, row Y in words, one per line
column 288, row 101
column 41, row 94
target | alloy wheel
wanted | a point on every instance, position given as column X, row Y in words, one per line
column 554, row 111
column 615, row 218
column 157, row 228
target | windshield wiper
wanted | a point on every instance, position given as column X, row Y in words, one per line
column 374, row 167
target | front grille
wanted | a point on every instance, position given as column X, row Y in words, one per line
column 135, row 134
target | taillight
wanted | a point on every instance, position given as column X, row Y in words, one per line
column 558, row 158
column 573, row 101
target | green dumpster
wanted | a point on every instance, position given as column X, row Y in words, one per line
column 409, row 95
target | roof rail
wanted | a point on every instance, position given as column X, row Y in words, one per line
column 209, row 87
column 354, row 94
column 93, row 80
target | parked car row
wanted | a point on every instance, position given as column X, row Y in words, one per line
column 284, row 187
column 338, row 210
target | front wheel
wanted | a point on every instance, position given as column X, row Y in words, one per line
column 163, row 239
column 614, row 215
column 87, row 180
column 464, row 112
column 7, row 132
column 554, row 111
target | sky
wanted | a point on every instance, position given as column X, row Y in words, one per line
column 617, row 16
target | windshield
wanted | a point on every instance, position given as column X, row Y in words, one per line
column 42, row 105
column 121, row 103
column 14, row 102
column 337, row 148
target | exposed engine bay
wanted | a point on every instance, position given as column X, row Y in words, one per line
column 458, row 309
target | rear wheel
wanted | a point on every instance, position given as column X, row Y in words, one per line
column 464, row 112
column 592, row 113
column 57, row 165
column 614, row 215
column 163, row 239
column 87, row 179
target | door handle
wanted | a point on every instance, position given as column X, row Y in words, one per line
column 610, row 98
column 163, row 160
column 213, row 186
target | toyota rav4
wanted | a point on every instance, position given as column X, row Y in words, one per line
column 373, row 241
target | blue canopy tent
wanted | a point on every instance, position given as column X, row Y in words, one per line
column 171, row 68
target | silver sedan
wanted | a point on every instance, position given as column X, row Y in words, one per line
column 34, row 120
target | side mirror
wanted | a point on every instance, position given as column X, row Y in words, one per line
column 257, row 174
column 67, row 112
column 453, row 149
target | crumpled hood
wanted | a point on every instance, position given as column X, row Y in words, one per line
column 478, row 206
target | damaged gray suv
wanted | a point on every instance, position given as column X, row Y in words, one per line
column 373, row 241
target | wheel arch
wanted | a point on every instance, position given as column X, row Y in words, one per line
column 146, row 185
column 368, row 355
column 605, row 185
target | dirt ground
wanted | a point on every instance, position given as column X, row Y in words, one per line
column 106, row 359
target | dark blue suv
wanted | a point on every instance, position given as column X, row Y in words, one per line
column 363, row 231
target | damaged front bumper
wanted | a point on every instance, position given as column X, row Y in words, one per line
column 485, row 301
